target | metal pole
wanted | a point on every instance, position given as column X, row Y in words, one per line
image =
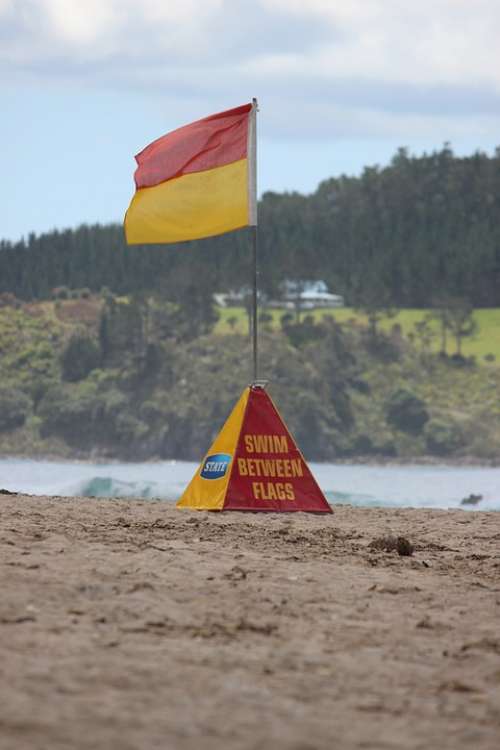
column 254, row 306
column 252, row 212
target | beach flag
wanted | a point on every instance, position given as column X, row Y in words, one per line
column 254, row 465
column 197, row 181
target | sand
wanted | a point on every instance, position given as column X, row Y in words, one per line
column 130, row 625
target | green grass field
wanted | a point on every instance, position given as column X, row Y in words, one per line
column 485, row 342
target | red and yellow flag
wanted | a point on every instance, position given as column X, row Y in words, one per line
column 197, row 181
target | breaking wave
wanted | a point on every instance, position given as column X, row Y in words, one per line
column 110, row 487
column 364, row 486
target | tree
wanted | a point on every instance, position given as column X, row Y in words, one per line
column 425, row 334
column 461, row 322
column 442, row 437
column 406, row 411
column 374, row 301
column 14, row 408
column 80, row 356
column 441, row 314
column 266, row 319
column 299, row 286
column 231, row 321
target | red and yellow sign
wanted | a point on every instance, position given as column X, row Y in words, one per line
column 254, row 464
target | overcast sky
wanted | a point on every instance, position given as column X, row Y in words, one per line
column 86, row 84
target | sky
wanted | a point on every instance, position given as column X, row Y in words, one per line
column 341, row 84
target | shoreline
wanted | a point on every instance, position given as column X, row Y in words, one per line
column 444, row 461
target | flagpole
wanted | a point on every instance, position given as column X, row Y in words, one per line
column 252, row 193
column 254, row 306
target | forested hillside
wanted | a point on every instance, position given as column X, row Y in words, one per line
column 403, row 235
column 135, row 378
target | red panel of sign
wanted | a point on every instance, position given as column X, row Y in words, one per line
column 268, row 471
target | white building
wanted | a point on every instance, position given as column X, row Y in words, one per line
column 310, row 294
column 306, row 295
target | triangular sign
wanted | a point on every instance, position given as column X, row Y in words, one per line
column 254, row 464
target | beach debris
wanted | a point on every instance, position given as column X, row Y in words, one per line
column 485, row 644
column 17, row 619
column 399, row 544
column 231, row 630
column 457, row 686
column 236, row 573
column 141, row 586
column 471, row 499
column 394, row 590
column 157, row 547
column 404, row 547
column 425, row 623
column 265, row 628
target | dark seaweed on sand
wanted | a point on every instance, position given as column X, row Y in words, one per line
column 400, row 544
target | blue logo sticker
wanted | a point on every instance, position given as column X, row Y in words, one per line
column 215, row 466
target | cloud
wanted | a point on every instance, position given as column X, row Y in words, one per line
column 321, row 67
column 191, row 32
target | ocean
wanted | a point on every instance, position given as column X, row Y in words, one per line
column 409, row 486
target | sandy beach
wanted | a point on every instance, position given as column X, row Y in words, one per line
column 131, row 625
